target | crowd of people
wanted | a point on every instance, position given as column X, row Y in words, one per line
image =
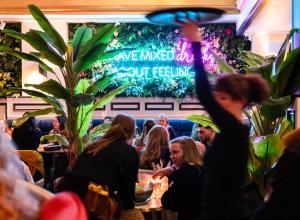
column 206, row 180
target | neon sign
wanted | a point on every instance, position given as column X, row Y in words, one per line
column 185, row 57
column 137, row 55
column 155, row 71
column 161, row 63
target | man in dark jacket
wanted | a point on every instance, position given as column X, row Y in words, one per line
column 207, row 135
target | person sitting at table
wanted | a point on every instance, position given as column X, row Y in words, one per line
column 27, row 135
column 107, row 119
column 9, row 155
column 56, row 165
column 207, row 135
column 15, row 201
column 140, row 142
column 59, row 126
column 163, row 121
column 24, row 201
column 185, row 178
column 156, row 154
column 110, row 161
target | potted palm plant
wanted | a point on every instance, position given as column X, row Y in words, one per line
column 268, row 121
column 72, row 58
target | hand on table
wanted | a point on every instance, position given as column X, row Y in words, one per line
column 167, row 171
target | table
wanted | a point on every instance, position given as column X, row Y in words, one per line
column 55, row 165
column 152, row 210
column 41, row 149
column 153, row 205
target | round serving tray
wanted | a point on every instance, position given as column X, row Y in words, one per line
column 174, row 16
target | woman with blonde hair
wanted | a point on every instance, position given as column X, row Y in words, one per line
column 156, row 154
column 110, row 161
column 185, row 181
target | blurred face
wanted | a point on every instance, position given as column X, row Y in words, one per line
column 106, row 120
column 129, row 141
column 56, row 124
column 228, row 103
column 204, row 134
column 177, row 154
column 163, row 122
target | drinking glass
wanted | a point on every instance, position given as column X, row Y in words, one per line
column 156, row 188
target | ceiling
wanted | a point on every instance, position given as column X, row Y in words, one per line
column 126, row 10
column 111, row 6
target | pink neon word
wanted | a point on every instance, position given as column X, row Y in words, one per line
column 184, row 54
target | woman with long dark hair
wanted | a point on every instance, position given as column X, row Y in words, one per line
column 225, row 162
column 58, row 124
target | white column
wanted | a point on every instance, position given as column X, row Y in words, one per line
column 270, row 26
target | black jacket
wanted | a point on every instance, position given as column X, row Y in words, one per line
column 26, row 139
column 184, row 194
column 225, row 162
column 116, row 166
column 172, row 133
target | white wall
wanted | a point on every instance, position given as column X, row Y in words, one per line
column 140, row 108
column 245, row 7
column 270, row 26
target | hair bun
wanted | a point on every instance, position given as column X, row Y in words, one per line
column 259, row 89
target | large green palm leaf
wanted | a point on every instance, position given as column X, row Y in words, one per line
column 102, row 36
column 48, row 28
column 52, row 87
column 46, row 98
column 38, row 43
column 84, row 50
column 25, row 56
column 203, row 120
column 81, row 37
column 45, row 111
column 287, row 78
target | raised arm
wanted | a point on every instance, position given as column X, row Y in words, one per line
column 221, row 117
